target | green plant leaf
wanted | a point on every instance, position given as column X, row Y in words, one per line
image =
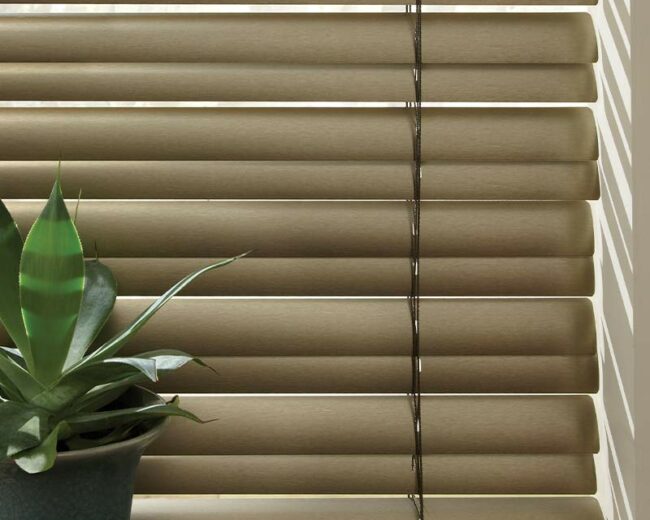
column 9, row 390
column 11, row 246
column 13, row 418
column 29, row 435
column 97, row 303
column 16, row 377
column 103, row 395
column 152, row 364
column 51, row 287
column 68, row 394
column 42, row 457
column 168, row 360
column 146, row 366
column 98, row 421
column 7, row 393
column 14, row 354
column 61, row 397
column 111, row 377
column 113, row 345
column 78, row 389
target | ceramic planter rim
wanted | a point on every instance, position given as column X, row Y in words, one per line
column 143, row 440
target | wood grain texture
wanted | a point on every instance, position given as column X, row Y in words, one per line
column 200, row 508
column 324, row 38
column 293, row 82
column 177, row 229
column 366, row 474
column 389, row 180
column 367, row 134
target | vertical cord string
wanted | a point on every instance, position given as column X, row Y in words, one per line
column 414, row 297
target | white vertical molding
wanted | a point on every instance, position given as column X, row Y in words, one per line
column 604, row 492
column 616, row 487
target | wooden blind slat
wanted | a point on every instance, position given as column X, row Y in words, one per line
column 386, row 374
column 496, row 508
column 327, row 229
column 367, row 474
column 363, row 327
column 379, row 425
column 360, row 327
column 469, row 134
column 500, row 276
column 293, row 82
column 324, row 38
column 303, row 180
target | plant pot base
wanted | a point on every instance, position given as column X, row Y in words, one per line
column 91, row 489
column 92, row 484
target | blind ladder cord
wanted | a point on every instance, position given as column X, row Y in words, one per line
column 414, row 298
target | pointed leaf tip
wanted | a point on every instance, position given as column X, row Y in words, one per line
column 112, row 346
column 51, row 285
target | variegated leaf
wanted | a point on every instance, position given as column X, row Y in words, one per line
column 51, row 287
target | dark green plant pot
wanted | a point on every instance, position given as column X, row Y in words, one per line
column 91, row 484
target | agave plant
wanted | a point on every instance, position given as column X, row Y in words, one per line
column 54, row 388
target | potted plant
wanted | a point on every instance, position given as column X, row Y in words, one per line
column 73, row 422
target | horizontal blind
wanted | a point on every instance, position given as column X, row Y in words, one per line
column 311, row 392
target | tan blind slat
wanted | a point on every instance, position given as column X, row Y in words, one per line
column 361, row 474
column 328, row 229
column 387, row 374
column 176, row 508
column 527, row 276
column 379, row 425
column 483, row 134
column 303, row 180
column 289, row 82
column 364, row 327
column 324, row 38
